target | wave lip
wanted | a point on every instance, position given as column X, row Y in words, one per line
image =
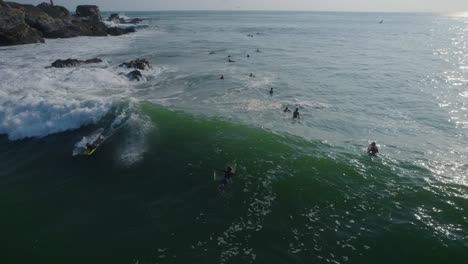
column 36, row 102
column 40, row 118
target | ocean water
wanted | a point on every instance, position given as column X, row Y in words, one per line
column 304, row 191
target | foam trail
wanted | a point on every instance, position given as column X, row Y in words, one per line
column 134, row 145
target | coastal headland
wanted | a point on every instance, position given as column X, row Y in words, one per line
column 25, row 24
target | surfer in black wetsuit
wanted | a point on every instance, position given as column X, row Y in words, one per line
column 372, row 149
column 222, row 77
column 90, row 147
column 296, row 114
column 228, row 174
column 96, row 143
column 287, row 110
column 271, row 91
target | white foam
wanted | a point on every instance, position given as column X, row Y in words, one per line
column 36, row 101
column 123, row 26
column 305, row 104
column 260, row 81
column 134, row 146
column 257, row 105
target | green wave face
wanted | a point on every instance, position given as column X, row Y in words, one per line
column 291, row 200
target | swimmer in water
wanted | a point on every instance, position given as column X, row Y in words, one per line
column 372, row 149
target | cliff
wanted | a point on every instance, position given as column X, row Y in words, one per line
column 23, row 24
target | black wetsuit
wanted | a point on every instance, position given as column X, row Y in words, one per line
column 90, row 146
column 296, row 114
column 372, row 150
column 227, row 177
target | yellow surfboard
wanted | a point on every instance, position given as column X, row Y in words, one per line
column 89, row 151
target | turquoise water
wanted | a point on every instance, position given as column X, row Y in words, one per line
column 304, row 192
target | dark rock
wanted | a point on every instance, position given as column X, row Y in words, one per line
column 130, row 30
column 135, row 21
column 21, row 24
column 88, row 27
column 55, row 11
column 38, row 19
column 13, row 28
column 90, row 11
column 117, row 19
column 95, row 60
column 65, row 27
column 113, row 17
column 135, row 75
column 120, row 20
column 115, row 31
column 140, row 64
column 73, row 62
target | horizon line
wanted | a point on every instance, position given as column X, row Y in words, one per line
column 304, row 11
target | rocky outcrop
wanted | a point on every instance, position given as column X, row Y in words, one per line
column 21, row 24
column 36, row 18
column 114, row 17
column 55, row 11
column 86, row 27
column 120, row 20
column 73, row 62
column 135, row 75
column 14, row 29
column 140, row 64
column 115, row 31
column 135, row 21
column 89, row 11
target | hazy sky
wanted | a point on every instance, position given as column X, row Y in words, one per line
column 319, row 5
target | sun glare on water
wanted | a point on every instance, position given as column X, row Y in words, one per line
column 460, row 14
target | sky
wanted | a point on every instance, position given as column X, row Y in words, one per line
column 441, row 6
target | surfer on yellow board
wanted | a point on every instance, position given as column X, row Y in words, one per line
column 90, row 148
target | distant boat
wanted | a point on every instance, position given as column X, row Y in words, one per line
column 381, row 21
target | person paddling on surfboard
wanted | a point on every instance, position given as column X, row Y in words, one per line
column 372, row 149
column 228, row 174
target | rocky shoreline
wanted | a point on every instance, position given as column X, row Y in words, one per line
column 137, row 66
column 25, row 24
